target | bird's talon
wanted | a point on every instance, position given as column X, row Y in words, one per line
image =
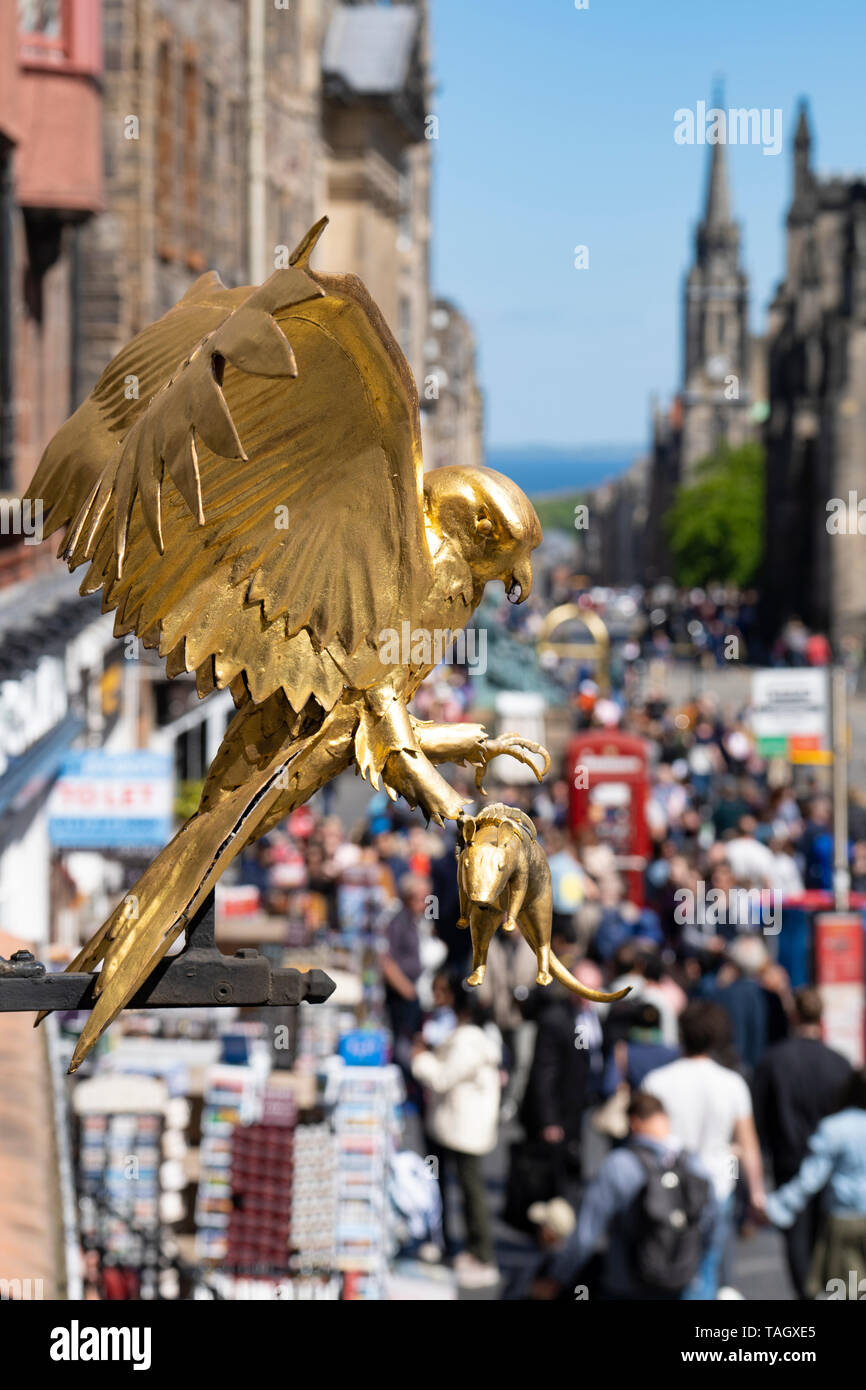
column 512, row 746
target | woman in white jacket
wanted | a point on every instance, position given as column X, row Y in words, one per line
column 461, row 1079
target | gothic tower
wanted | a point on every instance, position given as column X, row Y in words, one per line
column 815, row 567
column 716, row 396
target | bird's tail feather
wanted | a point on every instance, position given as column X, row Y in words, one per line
column 143, row 927
column 170, row 891
column 565, row 977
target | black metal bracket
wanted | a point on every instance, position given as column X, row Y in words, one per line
column 198, row 976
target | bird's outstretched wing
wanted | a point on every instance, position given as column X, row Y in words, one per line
column 245, row 481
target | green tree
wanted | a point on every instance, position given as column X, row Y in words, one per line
column 715, row 527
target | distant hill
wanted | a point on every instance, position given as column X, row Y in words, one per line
column 540, row 469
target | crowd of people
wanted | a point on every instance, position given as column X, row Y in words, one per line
column 709, row 1071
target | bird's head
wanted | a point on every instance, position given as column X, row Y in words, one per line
column 492, row 523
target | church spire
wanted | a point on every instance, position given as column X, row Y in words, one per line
column 803, row 178
column 717, row 326
column 717, row 209
column 717, row 212
column 718, row 237
column 803, row 133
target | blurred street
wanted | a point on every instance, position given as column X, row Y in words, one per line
column 432, row 653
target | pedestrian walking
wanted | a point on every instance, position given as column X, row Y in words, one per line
column 651, row 1205
column 461, row 1081
column 560, row 1081
column 796, row 1085
column 710, row 1110
column 835, row 1166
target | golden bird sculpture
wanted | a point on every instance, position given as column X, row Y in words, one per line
column 245, row 483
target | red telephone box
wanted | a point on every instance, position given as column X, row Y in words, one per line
column 608, row 778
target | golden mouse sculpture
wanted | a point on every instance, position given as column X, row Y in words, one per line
column 503, row 869
column 245, row 484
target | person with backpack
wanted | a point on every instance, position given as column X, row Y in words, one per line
column 653, row 1206
column 710, row 1108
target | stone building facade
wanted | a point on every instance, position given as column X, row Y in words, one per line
column 212, row 155
column 815, row 567
column 229, row 128
column 452, row 405
column 377, row 135
column 614, row 547
column 217, row 134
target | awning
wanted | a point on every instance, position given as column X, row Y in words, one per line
column 29, row 774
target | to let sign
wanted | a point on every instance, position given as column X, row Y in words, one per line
column 112, row 801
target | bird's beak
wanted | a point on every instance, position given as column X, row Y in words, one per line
column 519, row 586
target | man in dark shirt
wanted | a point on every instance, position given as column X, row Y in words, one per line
column 816, row 844
column 444, row 884
column 559, row 1082
column 401, row 967
column 797, row 1083
column 743, row 999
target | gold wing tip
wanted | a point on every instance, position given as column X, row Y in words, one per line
column 307, row 244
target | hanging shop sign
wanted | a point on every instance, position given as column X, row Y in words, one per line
column 790, row 714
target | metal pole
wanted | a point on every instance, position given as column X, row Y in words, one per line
column 841, row 874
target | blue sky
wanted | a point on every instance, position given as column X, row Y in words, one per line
column 556, row 129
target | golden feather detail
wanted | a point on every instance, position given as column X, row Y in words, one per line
column 191, row 405
column 223, row 457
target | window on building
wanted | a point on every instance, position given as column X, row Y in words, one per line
column 48, row 39
column 40, row 26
